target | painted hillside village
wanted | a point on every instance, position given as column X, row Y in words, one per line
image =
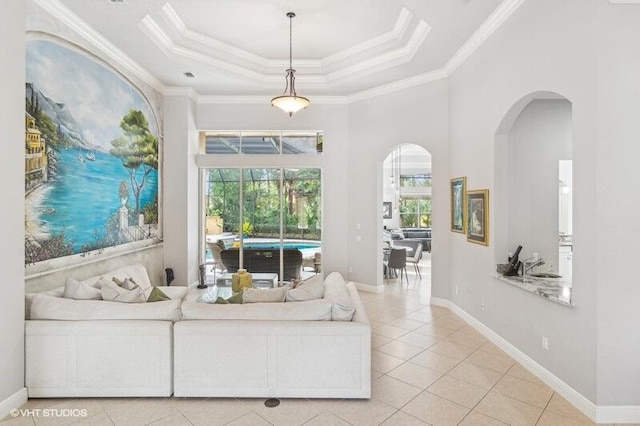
column 91, row 183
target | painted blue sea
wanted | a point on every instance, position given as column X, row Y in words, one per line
column 86, row 195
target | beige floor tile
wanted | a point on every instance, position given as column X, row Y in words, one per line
column 434, row 330
column 392, row 391
column 415, row 375
column 434, row 361
column 439, row 310
column 18, row 420
column 435, row 410
column 420, row 317
column 403, row 419
column 522, row 373
column 458, row 391
column 390, row 331
column 400, row 350
column 363, row 412
column 68, row 411
column 476, row 375
column 375, row 374
column 476, row 419
column 406, row 323
column 204, row 411
column 142, row 412
column 559, row 405
column 451, row 350
column 176, row 419
column 384, row 363
column 471, row 339
column 417, row 339
column 291, row 411
column 327, row 419
column 500, row 363
column 491, row 348
column 101, row 419
column 531, row 393
column 508, row 410
column 549, row 418
column 249, row 419
column 377, row 340
column 450, row 320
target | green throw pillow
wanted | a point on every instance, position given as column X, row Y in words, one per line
column 236, row 298
column 157, row 295
column 221, row 301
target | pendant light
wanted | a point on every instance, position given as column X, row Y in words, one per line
column 289, row 101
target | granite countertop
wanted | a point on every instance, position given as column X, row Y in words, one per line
column 555, row 289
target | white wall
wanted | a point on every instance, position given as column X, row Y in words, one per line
column 334, row 162
column 12, row 86
column 180, row 189
column 417, row 116
column 539, row 138
column 546, row 45
column 618, row 208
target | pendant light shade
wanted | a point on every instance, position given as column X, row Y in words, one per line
column 289, row 101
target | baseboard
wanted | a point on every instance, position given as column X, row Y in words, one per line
column 15, row 401
column 369, row 288
column 574, row 397
column 618, row 414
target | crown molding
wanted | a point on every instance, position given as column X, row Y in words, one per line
column 182, row 91
column 624, row 1
column 178, row 50
column 265, row 100
column 488, row 27
column 75, row 23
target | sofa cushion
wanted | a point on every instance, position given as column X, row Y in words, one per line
column 309, row 289
column 174, row 292
column 311, row 310
column 114, row 293
column 80, row 291
column 45, row 307
column 335, row 290
column 267, row 295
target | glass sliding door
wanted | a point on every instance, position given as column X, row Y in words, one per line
column 270, row 220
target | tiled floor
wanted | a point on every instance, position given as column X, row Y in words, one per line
column 428, row 368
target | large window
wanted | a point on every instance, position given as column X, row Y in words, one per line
column 415, row 213
column 267, row 209
column 263, row 142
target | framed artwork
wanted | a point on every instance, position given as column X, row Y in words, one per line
column 458, row 205
column 386, row 210
column 478, row 216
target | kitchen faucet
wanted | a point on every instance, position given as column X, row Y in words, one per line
column 530, row 263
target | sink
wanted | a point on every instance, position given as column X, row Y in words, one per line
column 545, row 275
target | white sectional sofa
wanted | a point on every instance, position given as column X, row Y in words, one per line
column 96, row 348
column 283, row 352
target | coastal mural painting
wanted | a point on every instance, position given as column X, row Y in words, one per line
column 91, row 156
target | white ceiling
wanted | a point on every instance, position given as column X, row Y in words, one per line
column 241, row 47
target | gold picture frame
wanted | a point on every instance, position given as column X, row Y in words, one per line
column 458, row 189
column 478, row 216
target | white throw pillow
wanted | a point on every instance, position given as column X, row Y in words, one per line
column 114, row 293
column 335, row 289
column 138, row 274
column 310, row 289
column 80, row 291
column 256, row 295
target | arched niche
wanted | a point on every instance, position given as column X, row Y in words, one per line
column 533, row 146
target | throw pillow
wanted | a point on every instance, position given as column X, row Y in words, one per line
column 157, row 295
column 236, row 298
column 80, row 291
column 113, row 292
column 127, row 283
column 335, row 290
column 310, row 289
column 221, row 301
column 256, row 295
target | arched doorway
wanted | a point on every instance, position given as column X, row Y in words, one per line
column 407, row 217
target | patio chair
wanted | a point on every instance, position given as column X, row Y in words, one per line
column 215, row 249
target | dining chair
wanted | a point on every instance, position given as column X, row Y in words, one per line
column 415, row 259
column 398, row 260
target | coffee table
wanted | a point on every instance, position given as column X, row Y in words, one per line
column 259, row 280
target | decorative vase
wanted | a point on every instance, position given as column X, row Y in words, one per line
column 241, row 280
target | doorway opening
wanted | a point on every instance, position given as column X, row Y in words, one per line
column 406, row 219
